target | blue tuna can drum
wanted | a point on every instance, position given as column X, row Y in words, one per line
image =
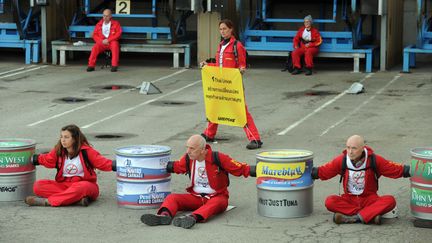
column 17, row 172
column 142, row 179
column 284, row 183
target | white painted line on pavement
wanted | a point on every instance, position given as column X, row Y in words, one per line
column 100, row 100
column 17, row 69
column 168, row 76
column 69, row 111
column 295, row 124
column 139, row 105
column 24, row 71
column 360, row 106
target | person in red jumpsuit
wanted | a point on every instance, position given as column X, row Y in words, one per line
column 106, row 36
column 226, row 57
column 75, row 181
column 208, row 193
column 306, row 43
column 360, row 201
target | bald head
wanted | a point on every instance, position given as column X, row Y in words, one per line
column 107, row 15
column 354, row 147
column 196, row 147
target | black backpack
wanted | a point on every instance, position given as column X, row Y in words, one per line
column 372, row 167
column 216, row 160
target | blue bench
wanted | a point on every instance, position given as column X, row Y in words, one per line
column 280, row 42
column 185, row 49
column 144, row 33
column 409, row 52
column 9, row 38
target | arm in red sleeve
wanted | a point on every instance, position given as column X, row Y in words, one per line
column 179, row 166
column 97, row 34
column 316, row 39
column 234, row 167
column 48, row 160
column 297, row 38
column 241, row 55
column 98, row 161
column 331, row 169
column 389, row 168
column 115, row 32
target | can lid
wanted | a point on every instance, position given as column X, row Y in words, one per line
column 16, row 143
column 423, row 153
column 285, row 154
column 143, row 150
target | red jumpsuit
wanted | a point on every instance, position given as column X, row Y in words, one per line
column 229, row 61
column 113, row 43
column 68, row 190
column 210, row 204
column 368, row 204
column 308, row 49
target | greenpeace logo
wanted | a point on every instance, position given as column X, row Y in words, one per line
column 282, row 172
column 8, row 188
column 226, row 119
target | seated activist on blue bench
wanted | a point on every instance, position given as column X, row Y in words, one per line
column 306, row 43
column 106, row 36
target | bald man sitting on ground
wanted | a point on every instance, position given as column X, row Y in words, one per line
column 360, row 169
column 208, row 192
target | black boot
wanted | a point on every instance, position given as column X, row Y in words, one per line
column 296, row 71
column 308, row 71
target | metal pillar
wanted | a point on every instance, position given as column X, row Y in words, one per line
column 382, row 11
column 44, row 34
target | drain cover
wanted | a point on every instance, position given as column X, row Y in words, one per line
column 104, row 88
column 172, row 103
column 108, row 136
column 70, row 100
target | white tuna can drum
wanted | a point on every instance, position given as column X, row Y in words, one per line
column 17, row 172
column 142, row 179
column 284, row 183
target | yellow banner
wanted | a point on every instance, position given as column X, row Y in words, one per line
column 290, row 171
column 223, row 96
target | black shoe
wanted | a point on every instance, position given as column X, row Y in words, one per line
column 254, row 144
column 296, row 71
column 155, row 219
column 186, row 221
column 114, row 69
column 208, row 140
column 308, row 71
column 90, row 69
column 85, row 201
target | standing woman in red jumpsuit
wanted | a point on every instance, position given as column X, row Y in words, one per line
column 226, row 57
column 306, row 43
column 75, row 181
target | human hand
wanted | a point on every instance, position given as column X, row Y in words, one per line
column 202, row 64
column 242, row 70
column 105, row 42
column 307, row 44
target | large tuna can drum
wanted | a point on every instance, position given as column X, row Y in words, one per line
column 17, row 172
column 284, row 183
column 142, row 179
column 421, row 183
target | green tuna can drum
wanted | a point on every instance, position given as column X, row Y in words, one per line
column 421, row 183
column 17, row 172
column 284, row 183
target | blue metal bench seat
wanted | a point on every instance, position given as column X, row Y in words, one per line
column 9, row 38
